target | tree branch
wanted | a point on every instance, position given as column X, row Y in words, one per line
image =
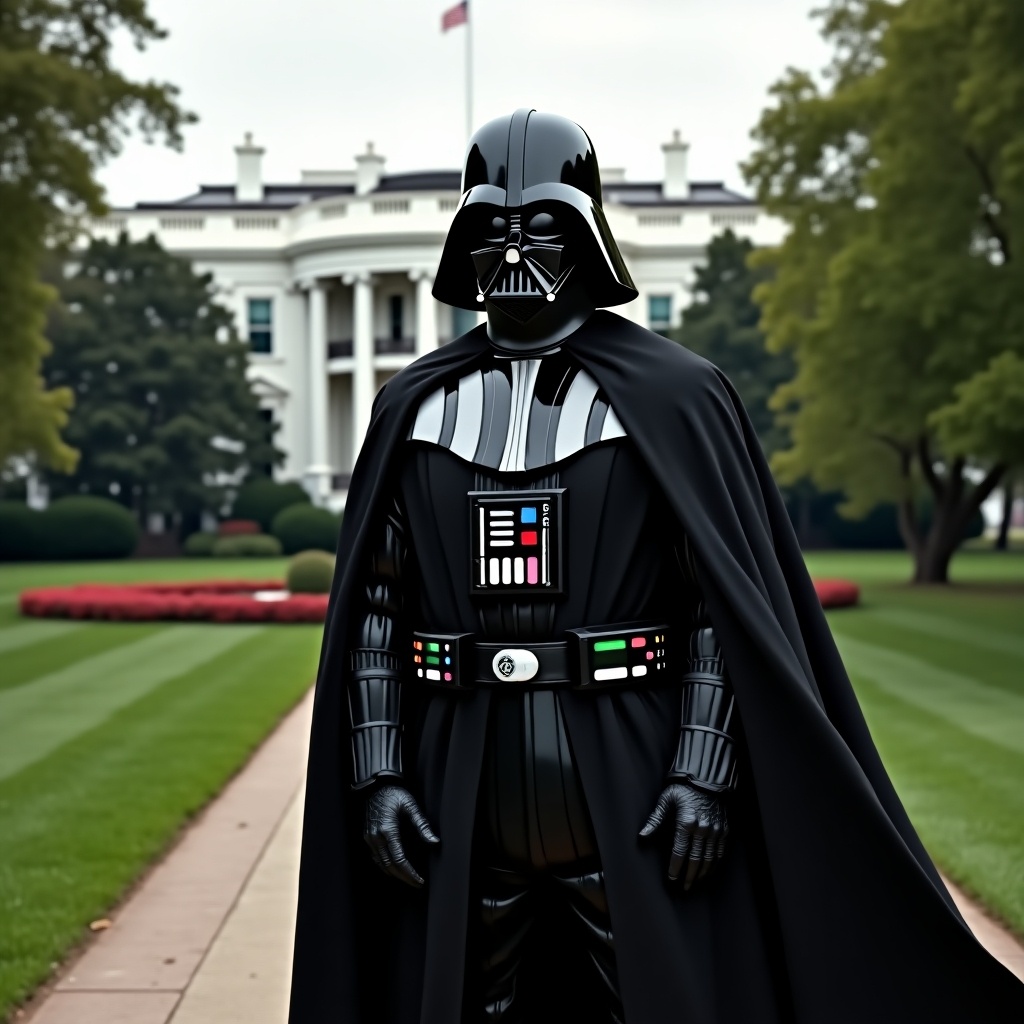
column 998, row 231
column 907, row 513
column 924, row 456
column 978, row 496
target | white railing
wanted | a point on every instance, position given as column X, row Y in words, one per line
column 659, row 220
column 255, row 223
column 182, row 223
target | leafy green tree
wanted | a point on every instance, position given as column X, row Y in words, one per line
column 902, row 181
column 722, row 324
column 165, row 418
column 64, row 110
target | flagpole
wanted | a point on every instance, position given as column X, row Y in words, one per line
column 469, row 73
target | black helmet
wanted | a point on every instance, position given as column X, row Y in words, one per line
column 518, row 167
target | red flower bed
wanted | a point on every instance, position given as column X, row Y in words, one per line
column 837, row 593
column 238, row 528
column 232, row 601
column 208, row 600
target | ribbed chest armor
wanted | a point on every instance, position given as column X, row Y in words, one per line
column 518, row 414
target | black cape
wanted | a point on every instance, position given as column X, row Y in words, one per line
column 826, row 907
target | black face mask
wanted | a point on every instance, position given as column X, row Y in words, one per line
column 524, row 263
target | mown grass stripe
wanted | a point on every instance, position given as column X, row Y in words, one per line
column 36, row 719
column 25, row 665
column 988, row 712
column 953, row 630
column 962, row 793
column 81, row 823
column 21, row 634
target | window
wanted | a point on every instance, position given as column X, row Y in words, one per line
column 395, row 317
column 260, row 325
column 659, row 310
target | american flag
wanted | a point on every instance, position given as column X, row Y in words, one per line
column 454, row 16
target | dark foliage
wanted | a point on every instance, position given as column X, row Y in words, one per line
column 305, row 528
column 261, row 499
column 164, row 415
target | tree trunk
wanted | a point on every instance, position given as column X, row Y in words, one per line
column 955, row 507
column 1003, row 538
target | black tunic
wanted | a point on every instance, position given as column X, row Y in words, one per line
column 621, row 567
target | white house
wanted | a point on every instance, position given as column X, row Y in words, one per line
column 330, row 278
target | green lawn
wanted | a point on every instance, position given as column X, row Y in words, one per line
column 940, row 674
column 111, row 736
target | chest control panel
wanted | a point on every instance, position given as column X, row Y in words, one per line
column 518, row 544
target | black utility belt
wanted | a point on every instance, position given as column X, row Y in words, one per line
column 590, row 658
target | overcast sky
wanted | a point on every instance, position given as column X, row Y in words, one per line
column 315, row 79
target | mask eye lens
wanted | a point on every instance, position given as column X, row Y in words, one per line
column 499, row 225
column 541, row 224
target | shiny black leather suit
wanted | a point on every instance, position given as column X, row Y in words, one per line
column 626, row 561
column 531, row 418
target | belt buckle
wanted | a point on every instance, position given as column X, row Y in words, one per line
column 620, row 652
column 515, row 665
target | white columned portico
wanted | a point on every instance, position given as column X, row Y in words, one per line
column 426, row 311
column 363, row 389
column 318, row 473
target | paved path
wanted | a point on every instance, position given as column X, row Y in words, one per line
column 207, row 938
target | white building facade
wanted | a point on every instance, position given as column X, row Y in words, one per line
column 330, row 279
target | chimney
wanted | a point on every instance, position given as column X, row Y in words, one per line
column 369, row 168
column 677, row 182
column 249, row 184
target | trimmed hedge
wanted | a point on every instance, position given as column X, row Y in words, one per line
column 257, row 545
column 21, row 532
column 263, row 499
column 305, row 528
column 199, row 545
column 76, row 527
column 310, row 572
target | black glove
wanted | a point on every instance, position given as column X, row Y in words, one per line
column 385, row 808
column 700, row 828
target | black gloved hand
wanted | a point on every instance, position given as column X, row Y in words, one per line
column 385, row 808
column 701, row 826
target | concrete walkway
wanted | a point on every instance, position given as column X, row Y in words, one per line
column 207, row 937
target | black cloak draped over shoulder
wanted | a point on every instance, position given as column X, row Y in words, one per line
column 826, row 908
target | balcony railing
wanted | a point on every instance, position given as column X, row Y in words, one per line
column 341, row 348
column 394, row 346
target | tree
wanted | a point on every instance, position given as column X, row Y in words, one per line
column 902, row 181
column 722, row 324
column 63, row 111
column 165, row 418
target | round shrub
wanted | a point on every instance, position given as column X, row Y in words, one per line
column 199, row 545
column 234, row 527
column 247, row 546
column 310, row 572
column 305, row 528
column 262, row 499
column 83, row 526
column 21, row 532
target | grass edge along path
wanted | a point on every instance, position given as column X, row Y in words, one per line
column 118, row 794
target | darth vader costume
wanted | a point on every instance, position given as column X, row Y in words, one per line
column 582, row 745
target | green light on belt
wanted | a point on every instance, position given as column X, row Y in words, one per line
column 610, row 645
column 433, row 661
column 433, row 647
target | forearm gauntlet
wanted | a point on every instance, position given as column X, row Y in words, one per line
column 706, row 755
column 374, row 671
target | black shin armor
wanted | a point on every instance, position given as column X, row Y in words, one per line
column 374, row 687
